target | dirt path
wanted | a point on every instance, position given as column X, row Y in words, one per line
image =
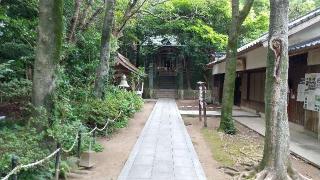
column 109, row 163
column 203, row 150
column 211, row 166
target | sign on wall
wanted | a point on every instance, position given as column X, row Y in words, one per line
column 312, row 92
column 301, row 89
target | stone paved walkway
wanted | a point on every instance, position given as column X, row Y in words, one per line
column 164, row 150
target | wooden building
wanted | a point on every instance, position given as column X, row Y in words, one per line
column 304, row 53
column 169, row 72
column 123, row 66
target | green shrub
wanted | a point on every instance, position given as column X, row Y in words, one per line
column 26, row 143
column 15, row 90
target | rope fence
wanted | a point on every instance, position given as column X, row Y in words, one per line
column 16, row 168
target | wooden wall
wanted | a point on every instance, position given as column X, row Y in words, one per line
column 253, row 86
column 252, row 89
column 217, row 88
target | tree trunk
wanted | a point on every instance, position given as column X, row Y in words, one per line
column 47, row 52
column 226, row 123
column 275, row 160
column 74, row 21
column 103, row 68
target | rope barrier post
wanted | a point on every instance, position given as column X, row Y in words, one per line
column 106, row 131
column 57, row 164
column 14, row 164
column 94, row 135
column 79, row 144
column 200, row 99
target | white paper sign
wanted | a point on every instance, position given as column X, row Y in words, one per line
column 312, row 92
column 301, row 90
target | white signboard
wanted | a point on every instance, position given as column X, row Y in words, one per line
column 312, row 92
column 301, row 90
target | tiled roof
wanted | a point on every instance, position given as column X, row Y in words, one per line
column 258, row 42
column 304, row 45
column 292, row 25
column 120, row 59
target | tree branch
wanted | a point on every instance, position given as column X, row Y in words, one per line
column 245, row 11
column 91, row 19
column 129, row 13
column 74, row 21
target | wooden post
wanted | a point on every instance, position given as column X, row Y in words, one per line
column 106, row 131
column 200, row 101
column 94, row 136
column 79, row 145
column 57, row 164
column 14, row 164
column 200, row 111
column 204, row 106
column 319, row 127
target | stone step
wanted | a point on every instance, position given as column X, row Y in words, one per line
column 165, row 93
column 77, row 174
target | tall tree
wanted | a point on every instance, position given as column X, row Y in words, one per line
column 103, row 67
column 47, row 52
column 238, row 18
column 276, row 162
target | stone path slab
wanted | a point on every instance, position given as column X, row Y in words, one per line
column 164, row 149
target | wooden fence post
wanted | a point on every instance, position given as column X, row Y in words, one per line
column 204, row 106
column 57, row 164
column 14, row 164
column 79, row 144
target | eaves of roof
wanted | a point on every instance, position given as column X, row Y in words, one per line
column 120, row 59
column 261, row 40
column 301, row 47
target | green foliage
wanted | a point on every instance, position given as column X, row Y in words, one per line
column 120, row 104
column 300, row 7
column 5, row 69
column 199, row 25
column 227, row 125
column 24, row 142
column 15, row 90
column 137, row 77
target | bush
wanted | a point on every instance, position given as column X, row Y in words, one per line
column 26, row 143
column 74, row 108
column 15, row 90
column 120, row 104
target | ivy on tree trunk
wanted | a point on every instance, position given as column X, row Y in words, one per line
column 47, row 52
column 226, row 123
column 105, row 50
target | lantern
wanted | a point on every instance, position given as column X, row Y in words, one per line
column 124, row 83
